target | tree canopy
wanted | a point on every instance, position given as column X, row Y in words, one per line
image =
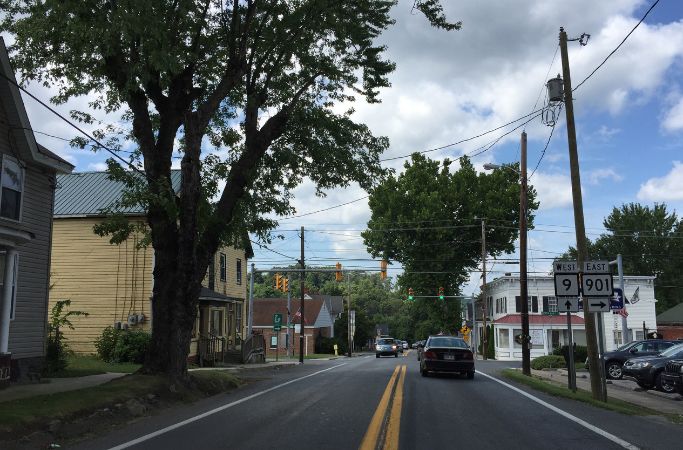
column 428, row 219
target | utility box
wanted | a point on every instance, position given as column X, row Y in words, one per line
column 555, row 89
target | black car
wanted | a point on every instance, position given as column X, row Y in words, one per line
column 614, row 360
column 446, row 354
column 673, row 375
column 647, row 370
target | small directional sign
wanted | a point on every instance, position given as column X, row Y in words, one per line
column 617, row 301
column 565, row 267
column 566, row 284
column 598, row 304
column 568, row 304
column 596, row 267
column 277, row 321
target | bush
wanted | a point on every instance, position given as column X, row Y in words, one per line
column 123, row 345
column 325, row 345
column 547, row 362
column 580, row 353
column 57, row 349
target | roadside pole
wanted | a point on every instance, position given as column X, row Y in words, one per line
column 523, row 287
column 571, row 378
column 302, row 321
column 290, row 353
column 484, row 337
column 625, row 335
column 250, row 316
column 596, row 371
column 349, row 340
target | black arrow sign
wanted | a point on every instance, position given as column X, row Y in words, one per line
column 601, row 304
column 568, row 304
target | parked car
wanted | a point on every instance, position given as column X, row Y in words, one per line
column 405, row 345
column 447, row 354
column 386, row 346
column 673, row 375
column 614, row 360
column 647, row 370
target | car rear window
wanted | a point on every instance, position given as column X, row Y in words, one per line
column 447, row 342
column 385, row 341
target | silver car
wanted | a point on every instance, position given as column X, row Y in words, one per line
column 386, row 346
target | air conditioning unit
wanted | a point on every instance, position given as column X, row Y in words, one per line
column 141, row 318
column 117, row 325
column 124, row 326
column 132, row 319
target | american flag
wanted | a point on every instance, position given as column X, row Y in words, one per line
column 622, row 312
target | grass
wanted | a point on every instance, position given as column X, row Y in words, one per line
column 16, row 414
column 580, row 395
column 82, row 365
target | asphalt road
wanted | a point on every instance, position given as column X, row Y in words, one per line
column 372, row 403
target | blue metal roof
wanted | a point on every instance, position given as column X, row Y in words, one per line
column 89, row 193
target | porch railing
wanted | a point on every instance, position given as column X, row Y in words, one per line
column 211, row 349
column 254, row 349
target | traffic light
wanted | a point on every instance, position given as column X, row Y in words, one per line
column 338, row 274
column 410, row 294
column 383, row 269
column 441, row 295
column 286, row 284
column 279, row 282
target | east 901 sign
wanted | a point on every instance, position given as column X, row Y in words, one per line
column 597, row 285
column 566, row 285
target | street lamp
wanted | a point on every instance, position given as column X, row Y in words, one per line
column 523, row 287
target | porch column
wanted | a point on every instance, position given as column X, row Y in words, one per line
column 7, row 300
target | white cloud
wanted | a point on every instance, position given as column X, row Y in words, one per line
column 99, row 167
column 673, row 119
column 668, row 187
column 596, row 176
column 554, row 190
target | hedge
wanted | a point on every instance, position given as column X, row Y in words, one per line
column 548, row 362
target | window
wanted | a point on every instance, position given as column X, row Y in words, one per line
column 549, row 304
column 12, row 181
column 217, row 322
column 223, row 267
column 617, row 337
column 503, row 338
column 238, row 271
column 533, row 304
column 238, row 318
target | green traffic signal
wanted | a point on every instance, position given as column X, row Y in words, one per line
column 410, row 297
column 441, row 297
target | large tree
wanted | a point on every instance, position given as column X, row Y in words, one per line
column 257, row 79
column 428, row 218
column 650, row 240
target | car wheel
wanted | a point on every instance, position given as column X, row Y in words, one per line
column 664, row 387
column 423, row 372
column 613, row 370
column 395, row 355
column 376, row 355
column 470, row 375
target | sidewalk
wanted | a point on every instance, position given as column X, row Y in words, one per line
column 621, row 389
column 54, row 385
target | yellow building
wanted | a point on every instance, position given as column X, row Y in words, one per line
column 113, row 283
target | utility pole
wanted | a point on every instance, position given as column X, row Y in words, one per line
column 250, row 315
column 289, row 320
column 523, row 287
column 484, row 334
column 303, row 320
column 596, row 371
column 349, row 339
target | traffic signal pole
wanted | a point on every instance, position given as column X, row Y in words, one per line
column 596, row 371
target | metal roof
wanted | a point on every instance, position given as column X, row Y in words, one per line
column 89, row 193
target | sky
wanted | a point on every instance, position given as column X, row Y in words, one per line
column 449, row 86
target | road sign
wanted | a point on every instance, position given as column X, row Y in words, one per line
column 597, row 285
column 566, row 284
column 277, row 321
column 596, row 267
column 617, row 301
column 551, row 313
column 568, row 304
column 598, row 305
column 565, row 267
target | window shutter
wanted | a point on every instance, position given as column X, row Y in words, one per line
column 545, row 304
column 518, row 304
column 534, row 304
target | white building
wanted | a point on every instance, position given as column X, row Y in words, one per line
column 549, row 330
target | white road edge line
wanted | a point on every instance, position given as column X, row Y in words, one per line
column 583, row 423
column 216, row 410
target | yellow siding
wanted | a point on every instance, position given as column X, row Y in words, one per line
column 109, row 282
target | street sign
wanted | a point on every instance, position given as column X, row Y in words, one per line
column 597, row 285
column 277, row 321
column 598, row 304
column 565, row 267
column 566, row 284
column 551, row 313
column 596, row 267
column 568, row 304
column 617, row 301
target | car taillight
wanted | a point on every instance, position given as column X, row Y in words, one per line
column 429, row 355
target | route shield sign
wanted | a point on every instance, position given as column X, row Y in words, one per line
column 568, row 304
column 277, row 321
column 597, row 285
column 566, row 284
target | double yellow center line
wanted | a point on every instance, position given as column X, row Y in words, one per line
column 384, row 429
